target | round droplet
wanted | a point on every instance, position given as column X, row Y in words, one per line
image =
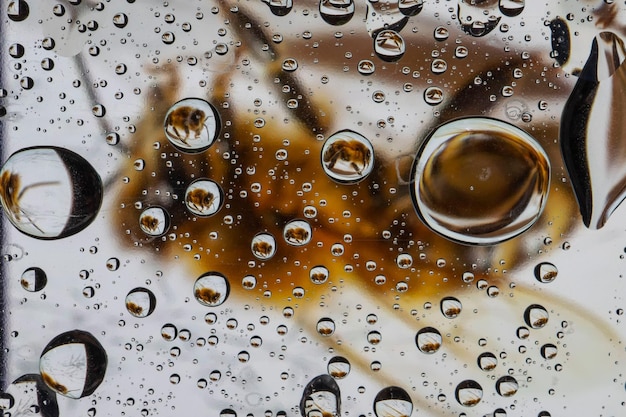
column 154, row 221
column 319, row 274
column 393, row 402
column 441, row 33
column 549, row 351
column 263, row 246
column 18, row 10
column 113, row 264
column 347, row 157
column 16, row 50
column 336, row 12
column 98, row 110
column 297, row 233
column 290, row 65
column 410, row 8
column 480, row 181
column 204, row 197
column 338, row 367
column 248, row 282
column 487, row 361
column 321, row 397
column 33, row 279
column 461, row 52
column 120, row 20
column 511, row 8
column 451, row 307
column 536, row 316
column 404, row 261
column 73, row 364
column 62, row 203
column 325, row 326
column 389, row 45
column 168, row 38
column 433, row 95
column 192, row 125
column 140, row 302
column 366, row 67
column 211, row 289
column 27, row 83
column 438, row 66
column 469, row 393
column 169, row 332
column 506, row 386
column 546, row 272
column 112, row 138
column 477, row 18
column 428, row 340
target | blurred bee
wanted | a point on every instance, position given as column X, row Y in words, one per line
column 200, row 199
column 149, row 224
column 353, row 152
column 262, row 249
column 296, row 235
column 188, row 120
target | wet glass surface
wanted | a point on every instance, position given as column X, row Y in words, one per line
column 312, row 208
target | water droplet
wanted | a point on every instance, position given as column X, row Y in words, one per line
column 279, row 7
column 290, row 65
column 549, row 351
column 263, row 246
column 297, row 233
column 319, row 274
column 18, row 10
column 428, row 340
column 120, row 69
column 62, row 204
column 204, row 197
column 58, row 10
column 325, row 326
column 338, row 367
column 33, row 279
column 487, row 361
column 347, row 157
column 536, row 316
column 16, row 50
column 451, row 307
column 438, row 66
column 545, row 272
column 112, row 138
column 29, row 395
column 154, row 221
column 321, row 397
column 441, row 33
column 211, row 289
column 98, row 110
column 389, row 45
column 480, row 181
column 140, row 302
column 506, row 386
column 192, row 125
column 336, row 12
column 393, row 402
column 477, row 18
column 410, row 8
column 511, row 8
column 404, row 261
column 366, row 67
column 73, row 364
column 120, row 20
column 433, row 95
column 168, row 38
column 378, row 96
column 27, row 83
column 248, row 282
column 169, row 332
column 523, row 332
column 469, row 393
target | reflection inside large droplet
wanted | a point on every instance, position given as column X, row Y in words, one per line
column 480, row 181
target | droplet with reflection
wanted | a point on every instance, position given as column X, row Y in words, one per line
column 536, row 316
column 279, row 7
column 154, row 221
column 204, row 197
column 347, row 157
column 140, row 302
column 336, row 12
column 389, row 45
column 211, row 289
column 469, row 393
column 428, row 340
column 478, row 17
column 297, row 233
column 546, row 272
column 192, row 125
column 393, row 402
column 321, row 397
column 263, row 246
column 33, row 279
column 507, row 386
column 338, row 367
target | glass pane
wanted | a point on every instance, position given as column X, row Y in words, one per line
column 312, row 208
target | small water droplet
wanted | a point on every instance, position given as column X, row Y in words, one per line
column 536, row 316
column 366, row 67
column 169, row 332
column 336, row 12
column 487, row 361
column 428, row 340
column 404, row 261
column 279, row 7
column 507, row 386
column 469, row 393
column 451, row 307
column 263, row 246
column 290, row 65
column 433, row 95
column 511, row 8
column 319, row 274
column 168, row 38
column 546, row 272
column 204, row 197
column 211, row 289
column 347, row 157
column 338, row 367
column 477, row 18
column 325, row 326
column 297, row 233
column 33, row 279
column 18, row 10
column 192, row 125
column 410, row 8
column 140, row 302
column 441, row 33
column 154, row 221
column 549, row 351
column 120, row 20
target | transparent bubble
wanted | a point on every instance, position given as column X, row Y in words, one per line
column 347, row 157
column 480, row 181
column 469, row 393
column 487, row 361
column 211, row 289
column 336, row 12
column 451, row 307
column 263, row 246
column 192, row 125
column 321, row 397
column 389, row 45
column 204, row 197
column 338, row 367
column 33, row 279
column 73, row 364
column 61, row 204
column 140, row 302
column 536, row 316
column 319, row 274
column 507, row 386
column 325, row 326
column 546, row 272
column 297, row 233
column 393, row 402
column 154, row 221
column 428, row 340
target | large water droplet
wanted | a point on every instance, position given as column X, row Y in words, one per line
column 18, row 10
column 507, row 386
column 63, row 203
column 154, row 221
column 325, row 326
column 73, row 364
column 169, row 332
column 347, row 157
column 428, row 340
column 140, row 302
column 336, row 12
column 393, row 402
column 536, row 316
column 487, row 361
column 549, row 351
column 263, row 246
column 546, row 272
column 389, row 45
column 192, row 125
column 469, row 393
column 297, row 233
column 211, row 289
column 480, row 181
column 338, row 367
column 33, row 279
column 319, row 274
column 321, row 397
column 204, row 197
column 279, row 7
column 451, row 307
column 478, row 17
column 120, row 20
